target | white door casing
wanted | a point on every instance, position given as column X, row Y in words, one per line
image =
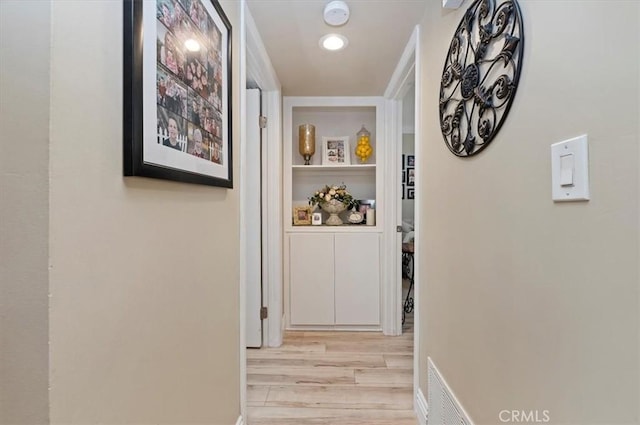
column 253, row 220
column 407, row 72
column 255, row 65
column 260, row 71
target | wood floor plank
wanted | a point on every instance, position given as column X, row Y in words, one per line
column 294, row 360
column 305, row 376
column 393, row 377
column 257, row 394
column 333, row 378
column 385, row 347
column 335, row 421
column 302, row 416
column 303, row 346
column 398, row 361
column 304, row 413
column 340, row 397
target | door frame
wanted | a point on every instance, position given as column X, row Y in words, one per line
column 255, row 66
column 401, row 81
column 259, row 70
column 253, row 213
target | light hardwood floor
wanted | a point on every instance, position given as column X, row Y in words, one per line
column 346, row 378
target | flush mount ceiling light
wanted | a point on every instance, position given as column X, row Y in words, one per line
column 336, row 13
column 333, row 42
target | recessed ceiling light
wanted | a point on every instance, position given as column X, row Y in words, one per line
column 192, row 45
column 333, row 42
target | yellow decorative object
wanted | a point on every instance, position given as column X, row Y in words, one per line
column 363, row 148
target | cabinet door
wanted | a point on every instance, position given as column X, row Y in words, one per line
column 311, row 279
column 357, row 283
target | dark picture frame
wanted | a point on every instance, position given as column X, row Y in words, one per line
column 411, row 176
column 410, row 193
column 177, row 91
column 411, row 161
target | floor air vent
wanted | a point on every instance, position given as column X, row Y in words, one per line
column 444, row 408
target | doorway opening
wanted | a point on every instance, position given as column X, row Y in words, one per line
column 407, row 204
column 404, row 97
column 254, row 376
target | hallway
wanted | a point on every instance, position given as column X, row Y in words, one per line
column 347, row 378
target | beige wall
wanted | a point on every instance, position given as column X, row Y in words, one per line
column 24, row 213
column 144, row 316
column 527, row 304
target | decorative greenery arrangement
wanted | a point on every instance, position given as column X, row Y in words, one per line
column 328, row 193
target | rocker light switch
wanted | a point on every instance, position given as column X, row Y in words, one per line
column 570, row 170
column 566, row 170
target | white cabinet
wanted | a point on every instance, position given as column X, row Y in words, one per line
column 334, row 279
column 311, row 272
column 332, row 273
column 357, row 278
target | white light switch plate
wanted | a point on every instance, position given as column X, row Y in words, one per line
column 570, row 184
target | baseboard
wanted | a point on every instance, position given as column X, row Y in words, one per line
column 240, row 421
column 422, row 408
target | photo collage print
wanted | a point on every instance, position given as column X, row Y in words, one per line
column 189, row 79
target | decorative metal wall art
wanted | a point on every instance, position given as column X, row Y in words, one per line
column 480, row 75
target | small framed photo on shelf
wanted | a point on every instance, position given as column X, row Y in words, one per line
column 335, row 150
column 411, row 193
column 301, row 216
column 403, row 191
column 365, row 204
column 411, row 161
column 411, row 176
column 316, row 219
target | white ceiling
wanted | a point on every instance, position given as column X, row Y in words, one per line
column 378, row 31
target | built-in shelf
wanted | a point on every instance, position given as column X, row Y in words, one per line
column 346, row 228
column 348, row 294
column 333, row 167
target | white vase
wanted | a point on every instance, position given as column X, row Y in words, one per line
column 333, row 207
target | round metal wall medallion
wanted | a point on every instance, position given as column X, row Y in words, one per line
column 480, row 75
